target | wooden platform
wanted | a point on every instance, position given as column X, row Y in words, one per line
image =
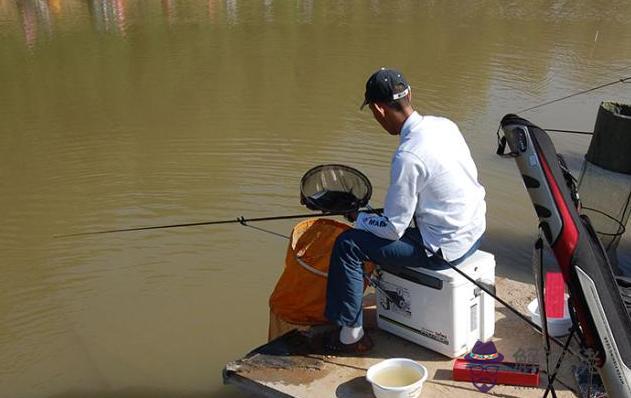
column 288, row 367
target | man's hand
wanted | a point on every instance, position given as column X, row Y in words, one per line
column 352, row 216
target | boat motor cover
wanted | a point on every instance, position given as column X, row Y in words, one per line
column 599, row 310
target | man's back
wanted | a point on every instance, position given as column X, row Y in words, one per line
column 450, row 209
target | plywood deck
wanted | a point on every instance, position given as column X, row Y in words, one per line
column 288, row 367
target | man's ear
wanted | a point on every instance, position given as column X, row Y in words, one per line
column 379, row 108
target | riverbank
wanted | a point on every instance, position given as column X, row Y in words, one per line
column 285, row 368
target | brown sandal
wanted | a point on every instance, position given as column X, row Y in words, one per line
column 333, row 345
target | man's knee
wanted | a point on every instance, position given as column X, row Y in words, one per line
column 350, row 238
column 352, row 244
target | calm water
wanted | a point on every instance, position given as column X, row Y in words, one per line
column 128, row 113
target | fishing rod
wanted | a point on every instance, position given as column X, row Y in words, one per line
column 240, row 220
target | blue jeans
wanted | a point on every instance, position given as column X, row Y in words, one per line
column 345, row 284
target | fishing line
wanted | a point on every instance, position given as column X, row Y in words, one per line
column 617, row 81
column 570, row 131
column 243, row 222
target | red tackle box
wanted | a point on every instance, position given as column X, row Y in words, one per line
column 510, row 373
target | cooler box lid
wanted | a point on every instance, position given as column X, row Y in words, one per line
column 478, row 264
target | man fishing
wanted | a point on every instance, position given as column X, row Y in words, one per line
column 434, row 208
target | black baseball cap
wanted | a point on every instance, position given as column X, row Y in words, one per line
column 382, row 87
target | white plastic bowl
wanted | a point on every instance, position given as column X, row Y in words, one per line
column 397, row 378
column 556, row 326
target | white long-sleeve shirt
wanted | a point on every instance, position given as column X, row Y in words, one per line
column 434, row 178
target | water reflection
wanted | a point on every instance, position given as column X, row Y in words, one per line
column 109, row 15
column 36, row 19
column 168, row 8
column 586, row 19
column 232, row 12
column 268, row 13
column 305, row 11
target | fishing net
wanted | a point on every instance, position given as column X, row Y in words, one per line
column 334, row 188
column 299, row 297
column 300, row 294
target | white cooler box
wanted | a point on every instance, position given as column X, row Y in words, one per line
column 440, row 310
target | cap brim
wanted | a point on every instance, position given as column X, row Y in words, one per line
column 361, row 108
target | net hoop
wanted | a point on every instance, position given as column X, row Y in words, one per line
column 346, row 181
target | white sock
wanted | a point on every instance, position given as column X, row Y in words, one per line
column 350, row 335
